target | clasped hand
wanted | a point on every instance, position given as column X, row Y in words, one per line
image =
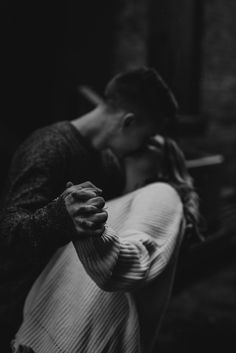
column 85, row 205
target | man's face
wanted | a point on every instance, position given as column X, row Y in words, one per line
column 131, row 139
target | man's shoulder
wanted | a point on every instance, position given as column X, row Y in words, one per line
column 41, row 144
column 51, row 131
column 50, row 135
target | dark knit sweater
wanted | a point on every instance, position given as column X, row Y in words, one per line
column 32, row 223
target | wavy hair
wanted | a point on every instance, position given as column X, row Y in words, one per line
column 174, row 172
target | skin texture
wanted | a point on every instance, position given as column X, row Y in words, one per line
column 85, row 207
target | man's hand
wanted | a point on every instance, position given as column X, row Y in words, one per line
column 85, row 187
column 85, row 207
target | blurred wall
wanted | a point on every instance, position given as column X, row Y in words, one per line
column 131, row 34
column 218, row 80
column 173, row 47
column 48, row 48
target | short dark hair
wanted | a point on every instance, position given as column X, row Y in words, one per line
column 144, row 92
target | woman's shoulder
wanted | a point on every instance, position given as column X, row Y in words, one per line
column 150, row 194
column 157, row 193
column 158, row 188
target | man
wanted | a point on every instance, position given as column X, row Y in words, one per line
column 38, row 216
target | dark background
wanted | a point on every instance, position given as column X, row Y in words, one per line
column 49, row 49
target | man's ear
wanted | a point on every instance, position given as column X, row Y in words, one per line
column 128, row 120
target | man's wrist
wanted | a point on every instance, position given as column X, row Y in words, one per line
column 66, row 227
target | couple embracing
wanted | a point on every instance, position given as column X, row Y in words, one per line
column 84, row 251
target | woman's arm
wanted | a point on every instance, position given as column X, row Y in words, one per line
column 142, row 249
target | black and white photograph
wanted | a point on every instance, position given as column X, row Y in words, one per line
column 118, row 176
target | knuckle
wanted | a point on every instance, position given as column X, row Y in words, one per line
column 68, row 204
column 87, row 183
column 105, row 217
column 98, row 201
column 82, row 209
column 85, row 223
column 91, row 191
column 74, row 193
column 87, row 192
column 82, row 222
column 91, row 209
column 90, row 224
column 102, row 216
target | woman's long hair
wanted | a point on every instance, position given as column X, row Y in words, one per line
column 174, row 171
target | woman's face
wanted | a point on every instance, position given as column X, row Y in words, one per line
column 142, row 167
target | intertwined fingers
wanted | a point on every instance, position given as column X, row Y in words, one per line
column 82, row 189
column 85, row 206
column 95, row 221
column 97, row 201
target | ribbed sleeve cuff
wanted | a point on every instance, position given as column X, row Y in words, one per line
column 99, row 255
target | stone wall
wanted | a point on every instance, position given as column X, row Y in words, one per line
column 193, row 45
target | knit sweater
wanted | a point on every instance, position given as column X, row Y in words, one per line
column 32, row 223
column 84, row 300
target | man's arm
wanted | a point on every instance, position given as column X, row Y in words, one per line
column 33, row 221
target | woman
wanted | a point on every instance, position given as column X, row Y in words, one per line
column 84, row 300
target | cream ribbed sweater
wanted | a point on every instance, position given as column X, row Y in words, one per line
column 82, row 302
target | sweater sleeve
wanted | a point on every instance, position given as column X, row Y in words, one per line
column 141, row 250
column 32, row 225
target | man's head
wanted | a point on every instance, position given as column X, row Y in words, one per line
column 142, row 105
